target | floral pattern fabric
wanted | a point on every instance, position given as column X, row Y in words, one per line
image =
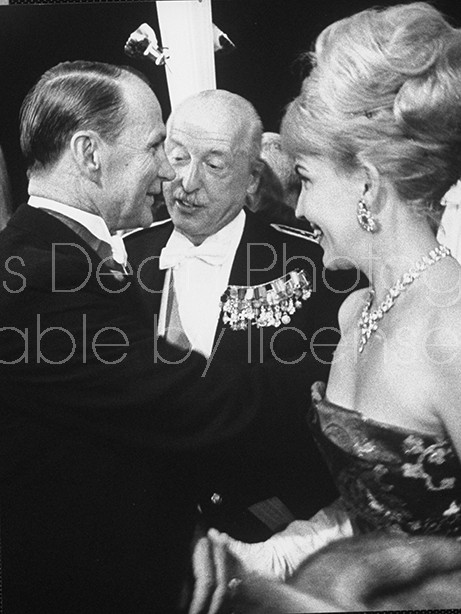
column 390, row 478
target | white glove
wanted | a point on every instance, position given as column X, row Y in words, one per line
column 280, row 555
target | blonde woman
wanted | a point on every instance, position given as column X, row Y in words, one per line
column 376, row 137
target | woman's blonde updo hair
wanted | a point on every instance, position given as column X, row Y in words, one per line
column 385, row 88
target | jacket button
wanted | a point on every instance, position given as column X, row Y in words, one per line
column 216, row 498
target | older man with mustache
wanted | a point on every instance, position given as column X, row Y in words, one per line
column 238, row 290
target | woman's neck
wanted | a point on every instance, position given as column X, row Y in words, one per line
column 394, row 250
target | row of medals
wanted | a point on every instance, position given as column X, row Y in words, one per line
column 270, row 304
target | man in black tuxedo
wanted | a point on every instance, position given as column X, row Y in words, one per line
column 101, row 422
column 224, row 265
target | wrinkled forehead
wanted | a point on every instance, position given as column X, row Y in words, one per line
column 208, row 124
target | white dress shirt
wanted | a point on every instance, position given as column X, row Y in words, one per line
column 93, row 223
column 199, row 284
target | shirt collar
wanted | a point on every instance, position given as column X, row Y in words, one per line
column 93, row 223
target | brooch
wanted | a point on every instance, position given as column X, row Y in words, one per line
column 269, row 304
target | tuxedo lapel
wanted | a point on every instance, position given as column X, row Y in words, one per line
column 157, row 283
column 157, row 275
column 257, row 259
column 144, row 249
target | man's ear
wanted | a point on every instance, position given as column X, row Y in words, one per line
column 255, row 176
column 85, row 146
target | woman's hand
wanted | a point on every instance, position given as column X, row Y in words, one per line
column 282, row 554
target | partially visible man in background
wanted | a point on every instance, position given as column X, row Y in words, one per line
column 282, row 166
column 275, row 199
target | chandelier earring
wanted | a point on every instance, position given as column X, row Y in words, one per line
column 365, row 218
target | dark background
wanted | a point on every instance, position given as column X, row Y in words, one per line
column 269, row 36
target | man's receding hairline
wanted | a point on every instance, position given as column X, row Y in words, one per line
column 214, row 136
column 240, row 122
column 126, row 78
column 214, row 99
column 129, row 95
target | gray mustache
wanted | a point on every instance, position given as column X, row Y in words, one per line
column 186, row 198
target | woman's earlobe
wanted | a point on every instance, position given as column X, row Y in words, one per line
column 365, row 218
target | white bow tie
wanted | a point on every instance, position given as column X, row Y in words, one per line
column 177, row 251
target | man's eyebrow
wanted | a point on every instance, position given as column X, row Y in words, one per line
column 218, row 152
column 213, row 151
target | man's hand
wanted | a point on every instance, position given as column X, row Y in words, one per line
column 213, row 568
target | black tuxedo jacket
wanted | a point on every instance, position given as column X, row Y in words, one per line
column 290, row 471
column 101, row 429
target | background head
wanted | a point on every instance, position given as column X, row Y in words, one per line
column 213, row 144
column 96, row 130
column 385, row 91
column 282, row 165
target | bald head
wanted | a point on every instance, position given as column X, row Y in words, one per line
column 225, row 114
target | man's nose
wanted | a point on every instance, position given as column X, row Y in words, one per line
column 190, row 177
column 166, row 172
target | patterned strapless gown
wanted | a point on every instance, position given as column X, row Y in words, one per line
column 390, row 479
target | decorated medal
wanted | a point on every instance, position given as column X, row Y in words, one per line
column 269, row 304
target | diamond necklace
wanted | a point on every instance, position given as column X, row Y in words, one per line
column 368, row 322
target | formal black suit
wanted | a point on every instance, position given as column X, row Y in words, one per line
column 100, row 432
column 290, row 471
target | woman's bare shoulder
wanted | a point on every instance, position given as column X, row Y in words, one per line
column 446, row 392
column 442, row 348
column 442, row 314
